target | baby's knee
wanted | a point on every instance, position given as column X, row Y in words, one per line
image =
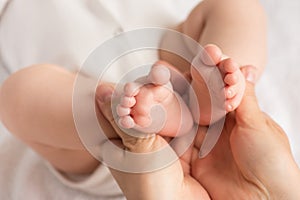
column 18, row 93
column 20, row 83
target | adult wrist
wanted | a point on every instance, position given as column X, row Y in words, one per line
column 288, row 186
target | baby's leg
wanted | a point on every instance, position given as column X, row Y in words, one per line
column 151, row 106
column 240, row 34
column 225, row 100
column 36, row 106
column 237, row 27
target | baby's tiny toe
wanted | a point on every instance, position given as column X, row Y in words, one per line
column 211, row 55
column 132, row 89
column 126, row 122
column 231, row 79
column 230, row 105
column 127, row 101
column 159, row 75
column 234, row 99
column 230, row 66
column 122, row 111
column 230, row 92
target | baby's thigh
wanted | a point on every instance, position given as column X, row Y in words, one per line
column 38, row 99
column 36, row 106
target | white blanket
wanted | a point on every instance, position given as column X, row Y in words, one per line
column 278, row 90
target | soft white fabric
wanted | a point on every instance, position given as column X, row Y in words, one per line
column 278, row 90
column 3, row 4
column 24, row 175
column 64, row 33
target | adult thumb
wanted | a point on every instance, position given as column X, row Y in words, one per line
column 248, row 113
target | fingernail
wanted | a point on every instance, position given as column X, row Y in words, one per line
column 201, row 155
column 106, row 97
column 250, row 77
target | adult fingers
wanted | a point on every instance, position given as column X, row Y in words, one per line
column 104, row 94
column 248, row 113
column 250, row 73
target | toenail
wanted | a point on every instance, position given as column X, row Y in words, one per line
column 126, row 122
column 229, row 107
column 106, row 97
column 129, row 122
column 229, row 93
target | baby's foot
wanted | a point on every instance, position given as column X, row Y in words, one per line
column 150, row 107
column 233, row 82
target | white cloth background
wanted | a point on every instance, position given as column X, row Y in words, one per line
column 278, row 93
column 278, row 90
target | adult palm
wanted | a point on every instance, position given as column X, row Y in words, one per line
column 221, row 173
column 252, row 159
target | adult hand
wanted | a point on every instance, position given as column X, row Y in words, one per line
column 252, row 159
column 170, row 182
